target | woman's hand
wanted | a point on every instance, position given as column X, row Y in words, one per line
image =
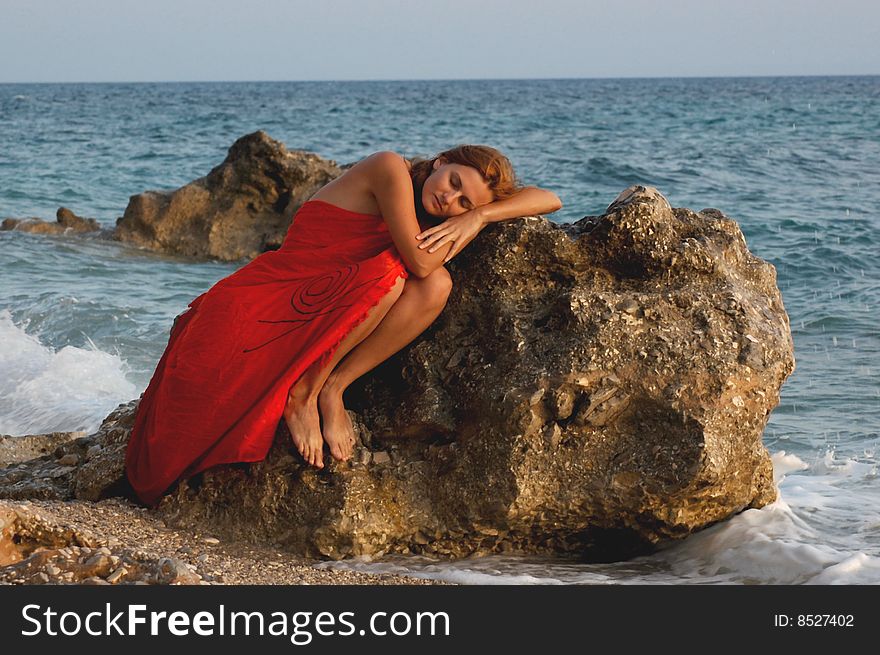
column 459, row 229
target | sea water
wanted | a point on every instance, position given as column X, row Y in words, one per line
column 794, row 160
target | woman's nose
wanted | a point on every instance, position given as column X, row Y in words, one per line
column 450, row 196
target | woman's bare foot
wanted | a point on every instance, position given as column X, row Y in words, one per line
column 304, row 423
column 338, row 430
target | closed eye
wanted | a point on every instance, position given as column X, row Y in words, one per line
column 456, row 182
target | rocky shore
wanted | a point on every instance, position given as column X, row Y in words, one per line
column 114, row 541
column 599, row 388
column 46, row 540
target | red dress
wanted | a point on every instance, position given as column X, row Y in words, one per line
column 221, row 385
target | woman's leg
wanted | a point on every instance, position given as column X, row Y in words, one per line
column 420, row 303
column 301, row 412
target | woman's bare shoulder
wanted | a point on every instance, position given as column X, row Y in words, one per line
column 386, row 161
column 355, row 189
column 380, row 169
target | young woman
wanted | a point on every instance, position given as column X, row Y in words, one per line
column 359, row 276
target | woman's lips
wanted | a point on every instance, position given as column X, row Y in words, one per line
column 437, row 204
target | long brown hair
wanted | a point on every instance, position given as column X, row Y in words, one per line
column 495, row 168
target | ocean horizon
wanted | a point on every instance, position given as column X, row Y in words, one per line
column 456, row 79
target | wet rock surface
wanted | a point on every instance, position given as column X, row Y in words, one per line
column 15, row 450
column 69, row 464
column 66, row 222
column 598, row 388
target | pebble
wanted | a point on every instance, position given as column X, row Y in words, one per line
column 98, row 560
column 117, row 575
column 629, row 306
column 213, row 541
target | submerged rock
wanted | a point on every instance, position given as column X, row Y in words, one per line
column 66, row 222
column 596, row 388
column 242, row 208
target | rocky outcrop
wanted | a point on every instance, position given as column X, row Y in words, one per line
column 66, row 222
column 598, row 388
column 14, row 450
column 242, row 208
column 65, row 465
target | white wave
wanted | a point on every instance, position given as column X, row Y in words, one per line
column 42, row 390
column 812, row 534
column 784, row 464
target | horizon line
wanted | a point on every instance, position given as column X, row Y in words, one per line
column 452, row 79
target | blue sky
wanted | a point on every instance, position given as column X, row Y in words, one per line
column 202, row 40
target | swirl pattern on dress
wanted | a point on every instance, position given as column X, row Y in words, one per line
column 320, row 295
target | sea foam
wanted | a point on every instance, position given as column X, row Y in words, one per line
column 43, row 390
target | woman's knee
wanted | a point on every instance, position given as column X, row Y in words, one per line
column 436, row 287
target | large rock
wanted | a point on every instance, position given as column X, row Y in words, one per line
column 242, row 208
column 598, row 387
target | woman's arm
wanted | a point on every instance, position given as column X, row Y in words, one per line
column 528, row 201
column 461, row 229
column 389, row 182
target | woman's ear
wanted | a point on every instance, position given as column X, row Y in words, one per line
column 438, row 162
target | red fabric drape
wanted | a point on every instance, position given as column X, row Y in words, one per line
column 221, row 385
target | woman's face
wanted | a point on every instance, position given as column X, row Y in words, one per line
column 453, row 189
